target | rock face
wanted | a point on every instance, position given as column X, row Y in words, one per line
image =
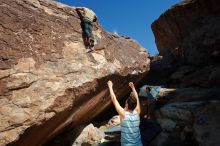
column 189, row 35
column 190, row 31
column 206, row 124
column 188, row 38
column 189, row 123
column 47, row 80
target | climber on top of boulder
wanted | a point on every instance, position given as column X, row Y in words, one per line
column 87, row 18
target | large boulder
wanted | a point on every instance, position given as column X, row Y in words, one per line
column 47, row 80
column 190, row 30
column 188, row 35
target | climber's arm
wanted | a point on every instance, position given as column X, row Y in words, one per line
column 118, row 108
column 138, row 108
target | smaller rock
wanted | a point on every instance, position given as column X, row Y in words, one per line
column 89, row 136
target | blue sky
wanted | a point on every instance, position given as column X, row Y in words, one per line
column 128, row 17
